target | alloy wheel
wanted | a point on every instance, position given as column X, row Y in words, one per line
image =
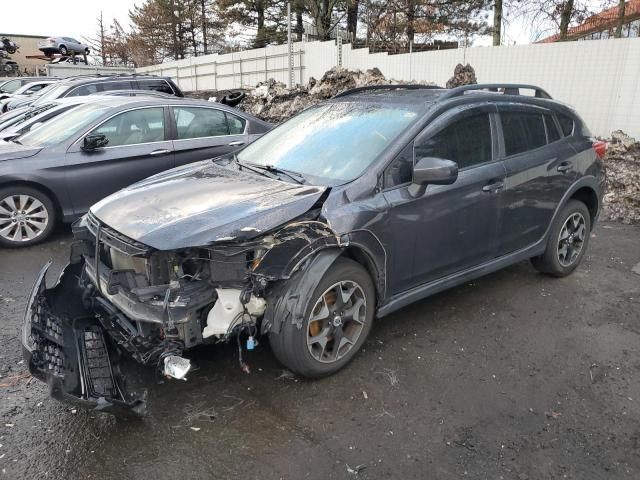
column 336, row 321
column 571, row 239
column 22, row 218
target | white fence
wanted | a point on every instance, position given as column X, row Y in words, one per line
column 600, row 78
column 69, row 70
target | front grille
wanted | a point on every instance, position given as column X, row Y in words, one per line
column 113, row 239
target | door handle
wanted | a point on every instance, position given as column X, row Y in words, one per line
column 565, row 167
column 493, row 187
column 236, row 144
column 160, row 152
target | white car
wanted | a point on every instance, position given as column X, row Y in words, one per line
column 23, row 92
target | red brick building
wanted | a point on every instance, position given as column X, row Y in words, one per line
column 602, row 25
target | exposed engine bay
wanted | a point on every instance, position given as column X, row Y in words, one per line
column 118, row 296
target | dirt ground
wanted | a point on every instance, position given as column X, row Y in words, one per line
column 514, row 376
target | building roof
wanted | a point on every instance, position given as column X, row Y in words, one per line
column 599, row 22
column 13, row 35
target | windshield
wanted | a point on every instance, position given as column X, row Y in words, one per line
column 51, row 92
column 65, row 126
column 10, row 86
column 333, row 143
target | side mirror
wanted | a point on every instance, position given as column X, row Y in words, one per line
column 93, row 141
column 436, row 171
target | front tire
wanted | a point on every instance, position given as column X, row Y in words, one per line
column 337, row 320
column 568, row 241
column 63, row 50
column 27, row 216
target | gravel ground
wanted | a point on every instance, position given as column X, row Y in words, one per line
column 514, row 376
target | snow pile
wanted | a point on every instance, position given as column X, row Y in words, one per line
column 622, row 163
column 274, row 102
column 462, row 75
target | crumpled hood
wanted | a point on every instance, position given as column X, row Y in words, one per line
column 14, row 151
column 201, row 204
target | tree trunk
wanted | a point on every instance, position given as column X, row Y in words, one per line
column 298, row 8
column 565, row 18
column 261, row 39
column 352, row 19
column 203, row 12
column 497, row 22
column 621, row 11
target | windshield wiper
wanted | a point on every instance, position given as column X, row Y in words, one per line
column 295, row 176
column 250, row 167
column 15, row 141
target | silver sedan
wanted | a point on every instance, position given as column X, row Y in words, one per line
column 62, row 45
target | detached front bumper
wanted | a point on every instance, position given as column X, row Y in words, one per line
column 66, row 347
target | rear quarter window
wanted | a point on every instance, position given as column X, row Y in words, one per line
column 156, row 85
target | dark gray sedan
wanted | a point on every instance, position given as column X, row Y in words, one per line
column 56, row 172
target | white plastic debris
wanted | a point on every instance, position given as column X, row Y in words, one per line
column 176, row 367
column 228, row 311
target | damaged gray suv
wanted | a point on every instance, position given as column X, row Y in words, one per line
column 349, row 211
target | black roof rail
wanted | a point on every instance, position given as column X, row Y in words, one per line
column 353, row 91
column 507, row 89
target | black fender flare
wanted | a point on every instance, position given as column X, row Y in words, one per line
column 590, row 182
column 287, row 299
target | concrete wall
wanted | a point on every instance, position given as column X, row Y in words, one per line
column 600, row 78
column 28, row 45
column 70, row 70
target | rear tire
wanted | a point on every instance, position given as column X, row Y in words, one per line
column 568, row 241
column 330, row 337
column 27, row 216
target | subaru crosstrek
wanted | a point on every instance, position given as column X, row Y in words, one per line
column 349, row 211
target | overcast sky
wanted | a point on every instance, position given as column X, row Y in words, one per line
column 75, row 19
column 38, row 17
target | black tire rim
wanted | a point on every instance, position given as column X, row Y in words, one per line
column 336, row 321
column 571, row 239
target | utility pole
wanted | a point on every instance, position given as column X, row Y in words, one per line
column 289, row 45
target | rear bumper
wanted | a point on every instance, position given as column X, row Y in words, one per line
column 67, row 348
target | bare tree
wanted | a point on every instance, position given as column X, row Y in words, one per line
column 547, row 16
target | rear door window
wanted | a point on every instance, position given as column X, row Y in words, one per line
column 200, row 122
column 522, row 131
column 236, row 124
column 123, row 85
column 553, row 135
column 466, row 141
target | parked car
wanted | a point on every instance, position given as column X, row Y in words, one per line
column 8, row 87
column 94, row 149
column 135, row 93
column 86, row 85
column 15, row 122
column 24, row 92
column 350, row 210
column 62, row 45
column 28, row 120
